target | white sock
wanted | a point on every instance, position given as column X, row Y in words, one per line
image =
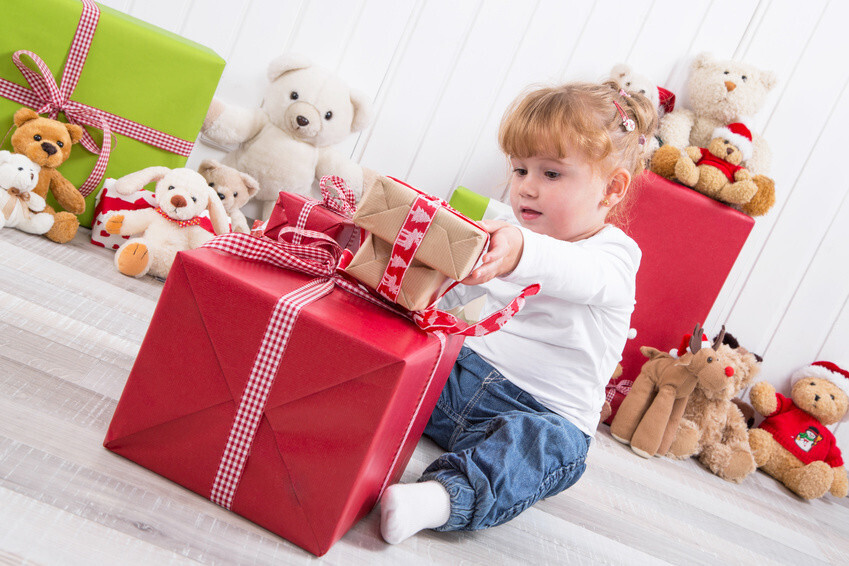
column 405, row 509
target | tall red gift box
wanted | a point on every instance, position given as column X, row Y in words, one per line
column 354, row 391
column 689, row 243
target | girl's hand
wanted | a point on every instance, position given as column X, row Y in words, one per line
column 505, row 250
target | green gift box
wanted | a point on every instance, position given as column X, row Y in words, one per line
column 477, row 206
column 133, row 70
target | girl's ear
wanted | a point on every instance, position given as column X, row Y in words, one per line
column 617, row 186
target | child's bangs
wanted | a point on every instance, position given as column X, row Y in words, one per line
column 538, row 134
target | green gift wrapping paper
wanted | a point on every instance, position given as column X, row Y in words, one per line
column 135, row 70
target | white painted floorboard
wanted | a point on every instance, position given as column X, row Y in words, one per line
column 70, row 327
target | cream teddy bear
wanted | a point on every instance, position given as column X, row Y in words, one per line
column 233, row 187
column 285, row 144
column 20, row 207
column 721, row 92
column 182, row 196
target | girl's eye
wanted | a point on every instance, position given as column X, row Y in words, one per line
column 552, row 174
column 519, row 171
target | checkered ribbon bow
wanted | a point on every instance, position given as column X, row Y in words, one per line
column 622, row 387
column 343, row 202
column 320, row 258
column 45, row 96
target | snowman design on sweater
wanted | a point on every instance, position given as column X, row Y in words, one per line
column 803, row 435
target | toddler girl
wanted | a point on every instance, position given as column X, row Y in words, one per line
column 521, row 405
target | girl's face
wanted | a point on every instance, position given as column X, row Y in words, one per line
column 561, row 198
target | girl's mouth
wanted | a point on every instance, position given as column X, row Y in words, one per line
column 529, row 213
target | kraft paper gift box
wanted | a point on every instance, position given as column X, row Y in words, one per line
column 689, row 243
column 133, row 70
column 353, row 393
column 451, row 245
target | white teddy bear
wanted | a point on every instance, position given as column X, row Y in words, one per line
column 175, row 225
column 721, row 93
column 285, row 143
column 20, row 207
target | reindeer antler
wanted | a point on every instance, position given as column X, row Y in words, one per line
column 719, row 338
column 696, row 339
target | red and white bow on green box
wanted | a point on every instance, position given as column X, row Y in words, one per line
column 45, row 96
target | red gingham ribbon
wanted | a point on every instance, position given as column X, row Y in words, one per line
column 46, row 97
column 415, row 226
column 344, row 202
column 622, row 386
column 320, row 258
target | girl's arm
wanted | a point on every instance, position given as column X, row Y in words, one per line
column 592, row 275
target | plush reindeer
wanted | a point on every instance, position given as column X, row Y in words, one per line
column 650, row 413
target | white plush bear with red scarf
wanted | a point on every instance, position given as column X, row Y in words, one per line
column 174, row 225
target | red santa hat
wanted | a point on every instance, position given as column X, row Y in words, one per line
column 824, row 370
column 739, row 135
column 684, row 346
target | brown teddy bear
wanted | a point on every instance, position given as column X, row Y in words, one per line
column 234, row 188
column 716, row 171
column 713, row 428
column 48, row 144
column 792, row 444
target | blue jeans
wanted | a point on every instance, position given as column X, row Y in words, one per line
column 506, row 451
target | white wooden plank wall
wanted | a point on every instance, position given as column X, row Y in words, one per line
column 441, row 72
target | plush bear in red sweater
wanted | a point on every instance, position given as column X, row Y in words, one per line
column 793, row 444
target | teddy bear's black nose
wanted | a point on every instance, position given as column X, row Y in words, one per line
column 816, row 397
column 729, row 151
column 302, row 121
column 48, row 148
column 221, row 196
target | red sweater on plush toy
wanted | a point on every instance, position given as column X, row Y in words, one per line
column 800, row 433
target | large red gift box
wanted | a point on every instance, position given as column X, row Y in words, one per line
column 689, row 243
column 355, row 388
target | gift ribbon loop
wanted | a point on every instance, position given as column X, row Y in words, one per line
column 45, row 96
column 344, row 203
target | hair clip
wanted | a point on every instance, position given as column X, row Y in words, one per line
column 623, row 93
column 627, row 123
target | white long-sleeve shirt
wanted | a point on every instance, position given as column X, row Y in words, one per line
column 563, row 346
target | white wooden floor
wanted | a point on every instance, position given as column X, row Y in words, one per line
column 70, row 327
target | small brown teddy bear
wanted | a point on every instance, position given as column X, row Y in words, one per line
column 234, row 188
column 713, row 428
column 716, row 171
column 48, row 144
column 792, row 444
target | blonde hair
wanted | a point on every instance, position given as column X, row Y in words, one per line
column 551, row 121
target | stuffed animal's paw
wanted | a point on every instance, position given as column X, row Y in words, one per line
column 113, row 225
column 133, row 259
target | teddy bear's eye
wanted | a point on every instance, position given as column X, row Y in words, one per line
column 60, row 144
column 294, row 95
column 171, row 188
column 710, row 360
column 744, row 77
column 642, row 91
column 329, row 115
column 813, row 384
column 194, row 199
column 832, row 397
column 628, row 83
column 36, row 137
column 212, row 183
column 235, row 195
column 726, row 72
